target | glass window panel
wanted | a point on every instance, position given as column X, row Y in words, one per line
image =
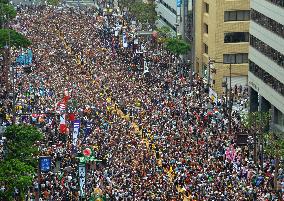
column 245, row 58
column 226, row 59
column 240, row 15
column 246, row 15
column 239, row 58
column 232, row 15
column 226, row 16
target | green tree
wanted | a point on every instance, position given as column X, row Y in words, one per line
column 15, row 39
column 177, row 46
column 53, row 2
column 127, row 3
column 144, row 12
column 15, row 174
column 257, row 124
column 21, row 141
column 4, row 1
column 164, row 33
column 274, row 147
column 7, row 13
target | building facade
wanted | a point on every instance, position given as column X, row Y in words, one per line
column 222, row 35
column 266, row 59
column 174, row 14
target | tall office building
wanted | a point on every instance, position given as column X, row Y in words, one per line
column 222, row 34
column 266, row 59
column 174, row 14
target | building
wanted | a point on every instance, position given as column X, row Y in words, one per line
column 266, row 59
column 222, row 34
column 174, row 14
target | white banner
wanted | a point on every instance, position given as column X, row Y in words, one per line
column 124, row 40
column 146, row 69
column 213, row 95
column 76, row 129
column 82, row 179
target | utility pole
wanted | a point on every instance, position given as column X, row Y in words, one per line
column 193, row 42
column 230, row 101
column 229, row 109
column 208, row 70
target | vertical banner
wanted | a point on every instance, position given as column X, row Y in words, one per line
column 179, row 2
column 63, row 126
column 88, row 129
column 146, row 69
column 213, row 95
column 45, row 163
column 82, row 178
column 76, row 129
column 124, row 40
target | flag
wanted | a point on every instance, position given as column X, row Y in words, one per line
column 71, row 116
column 63, row 126
column 76, row 130
column 124, row 40
column 88, row 129
column 30, row 56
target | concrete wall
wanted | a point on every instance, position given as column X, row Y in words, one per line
column 267, row 92
column 268, row 9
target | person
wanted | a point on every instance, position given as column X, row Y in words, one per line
column 157, row 138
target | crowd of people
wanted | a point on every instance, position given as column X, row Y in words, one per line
column 157, row 137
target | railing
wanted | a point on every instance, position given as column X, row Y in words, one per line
column 266, row 50
column 277, row 2
column 267, row 23
column 266, row 78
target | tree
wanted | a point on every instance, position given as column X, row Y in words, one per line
column 21, row 141
column 164, row 33
column 257, row 123
column 144, row 12
column 177, row 46
column 274, row 147
column 53, row 2
column 15, row 39
column 7, row 13
column 4, row 1
column 15, row 174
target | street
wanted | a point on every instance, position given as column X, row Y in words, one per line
column 141, row 130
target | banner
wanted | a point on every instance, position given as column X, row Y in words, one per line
column 45, row 163
column 63, row 126
column 25, row 58
column 146, row 69
column 82, row 178
column 179, row 3
column 124, row 40
column 213, row 95
column 76, row 129
column 88, row 129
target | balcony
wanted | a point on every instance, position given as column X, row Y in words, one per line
column 266, row 90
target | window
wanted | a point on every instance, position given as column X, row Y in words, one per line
column 235, row 58
column 268, row 51
column 238, row 15
column 206, row 8
column 236, row 37
column 205, row 48
column 206, row 28
column 267, row 23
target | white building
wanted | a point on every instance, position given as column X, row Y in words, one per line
column 173, row 13
column 266, row 59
